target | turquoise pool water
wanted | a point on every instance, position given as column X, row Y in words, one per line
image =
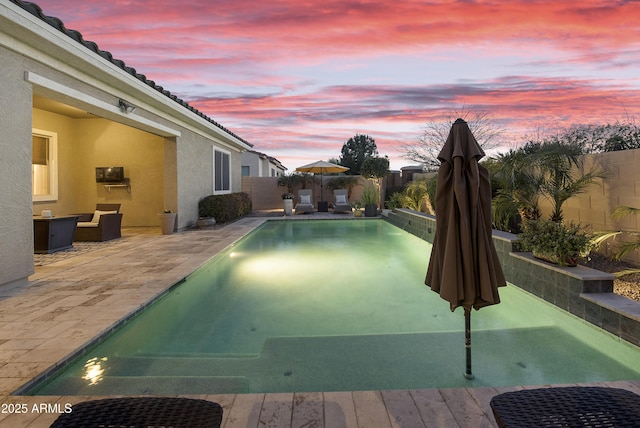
column 330, row 305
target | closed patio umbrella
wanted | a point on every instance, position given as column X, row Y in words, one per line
column 464, row 267
column 322, row 167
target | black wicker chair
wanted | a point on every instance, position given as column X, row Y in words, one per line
column 142, row 412
column 570, row 407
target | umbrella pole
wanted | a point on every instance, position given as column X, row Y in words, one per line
column 467, row 341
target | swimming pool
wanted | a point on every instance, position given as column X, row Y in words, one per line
column 330, row 305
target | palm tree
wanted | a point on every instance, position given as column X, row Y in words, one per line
column 563, row 175
column 343, row 182
column 552, row 169
column 289, row 181
column 626, row 247
column 422, row 195
column 517, row 188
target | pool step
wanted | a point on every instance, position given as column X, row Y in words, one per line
column 179, row 365
column 367, row 362
column 154, row 385
column 305, row 364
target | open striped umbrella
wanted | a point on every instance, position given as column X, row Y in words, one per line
column 322, row 167
column 464, row 267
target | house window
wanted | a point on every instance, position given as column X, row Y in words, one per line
column 221, row 172
column 44, row 166
column 246, row 171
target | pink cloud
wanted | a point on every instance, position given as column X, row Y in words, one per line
column 520, row 103
column 275, row 30
column 244, row 63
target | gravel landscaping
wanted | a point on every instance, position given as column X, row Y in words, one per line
column 627, row 285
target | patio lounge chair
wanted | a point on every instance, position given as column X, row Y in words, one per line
column 102, row 225
column 341, row 204
column 305, row 204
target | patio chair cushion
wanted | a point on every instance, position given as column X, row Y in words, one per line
column 87, row 224
column 305, row 199
column 98, row 213
column 341, row 199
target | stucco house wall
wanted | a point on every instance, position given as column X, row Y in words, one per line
column 51, row 78
column 16, row 227
column 262, row 165
column 196, row 156
column 252, row 160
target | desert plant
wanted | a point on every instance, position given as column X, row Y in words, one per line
column 307, row 178
column 555, row 240
column 418, row 195
column 289, row 181
column 516, row 187
column 370, row 195
column 630, row 246
column 564, row 177
column 396, row 201
column 343, row 182
column 375, row 168
column 552, row 169
column 626, row 247
column 421, row 194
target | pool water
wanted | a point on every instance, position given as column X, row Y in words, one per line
column 333, row 305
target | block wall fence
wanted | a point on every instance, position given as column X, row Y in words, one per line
column 594, row 207
column 266, row 195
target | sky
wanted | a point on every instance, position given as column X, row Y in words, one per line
column 298, row 78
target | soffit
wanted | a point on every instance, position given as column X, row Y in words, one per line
column 59, row 108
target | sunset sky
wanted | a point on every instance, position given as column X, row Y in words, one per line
column 298, row 78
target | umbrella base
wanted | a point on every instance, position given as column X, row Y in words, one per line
column 469, row 376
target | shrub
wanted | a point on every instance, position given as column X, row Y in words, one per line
column 370, row 195
column 555, row 239
column 225, row 208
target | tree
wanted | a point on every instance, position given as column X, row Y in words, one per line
column 562, row 167
column 375, row 168
column 516, row 189
column 355, row 151
column 434, row 134
column 604, row 138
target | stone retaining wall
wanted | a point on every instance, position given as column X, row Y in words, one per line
column 584, row 292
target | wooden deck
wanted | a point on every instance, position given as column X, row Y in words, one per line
column 426, row 408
